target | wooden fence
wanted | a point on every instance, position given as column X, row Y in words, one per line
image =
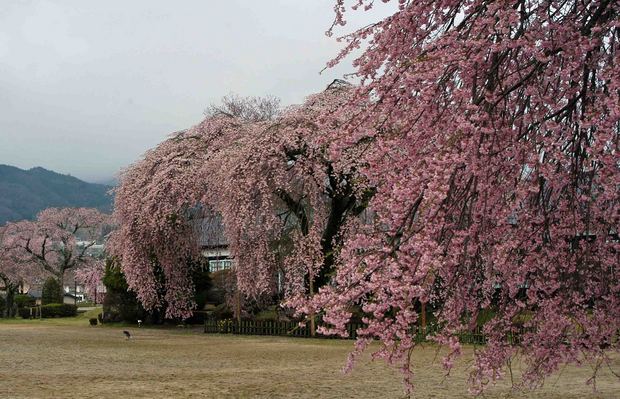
column 275, row 328
column 293, row 329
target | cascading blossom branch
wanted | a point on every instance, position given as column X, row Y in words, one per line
column 156, row 240
column 497, row 181
column 91, row 277
column 271, row 179
column 285, row 201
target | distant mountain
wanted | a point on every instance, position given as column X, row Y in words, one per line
column 24, row 193
column 112, row 182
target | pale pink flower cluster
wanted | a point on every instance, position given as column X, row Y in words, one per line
column 58, row 240
column 497, row 177
column 268, row 176
column 91, row 278
column 475, row 170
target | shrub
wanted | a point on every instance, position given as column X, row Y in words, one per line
column 92, row 321
column 202, row 285
column 2, row 305
column 58, row 310
column 269, row 314
column 222, row 312
column 121, row 306
column 24, row 312
column 119, row 303
column 24, row 301
column 51, row 292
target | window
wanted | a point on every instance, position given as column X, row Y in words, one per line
column 216, row 265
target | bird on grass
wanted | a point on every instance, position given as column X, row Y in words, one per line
column 127, row 334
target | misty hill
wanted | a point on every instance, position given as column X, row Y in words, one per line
column 23, row 193
column 112, row 182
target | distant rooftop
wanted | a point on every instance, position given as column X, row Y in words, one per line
column 211, row 232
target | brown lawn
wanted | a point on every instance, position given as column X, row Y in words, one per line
column 63, row 360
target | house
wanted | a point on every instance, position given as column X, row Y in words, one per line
column 213, row 244
column 214, row 247
column 73, row 291
column 72, row 299
column 93, row 249
column 35, row 292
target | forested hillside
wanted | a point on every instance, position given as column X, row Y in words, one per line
column 23, row 193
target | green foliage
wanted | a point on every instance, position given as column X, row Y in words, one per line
column 222, row 312
column 58, row 310
column 113, row 278
column 484, row 316
column 2, row 305
column 220, row 282
column 51, row 292
column 203, row 289
column 202, row 285
column 24, row 312
column 270, row 314
column 49, row 311
column 23, row 300
column 119, row 303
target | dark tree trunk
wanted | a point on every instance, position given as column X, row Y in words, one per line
column 9, row 310
column 61, row 278
column 337, row 216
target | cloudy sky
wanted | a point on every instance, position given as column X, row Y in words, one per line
column 86, row 87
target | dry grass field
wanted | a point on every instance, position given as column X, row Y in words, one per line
column 60, row 359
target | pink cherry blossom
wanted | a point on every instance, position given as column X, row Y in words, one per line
column 497, row 180
column 57, row 241
column 269, row 177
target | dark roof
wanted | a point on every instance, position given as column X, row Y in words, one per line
column 211, row 232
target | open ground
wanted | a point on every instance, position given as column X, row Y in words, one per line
column 67, row 358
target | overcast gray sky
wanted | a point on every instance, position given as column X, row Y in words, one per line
column 86, row 87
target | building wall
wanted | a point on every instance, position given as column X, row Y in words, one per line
column 218, row 258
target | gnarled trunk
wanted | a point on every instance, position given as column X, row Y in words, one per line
column 9, row 308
